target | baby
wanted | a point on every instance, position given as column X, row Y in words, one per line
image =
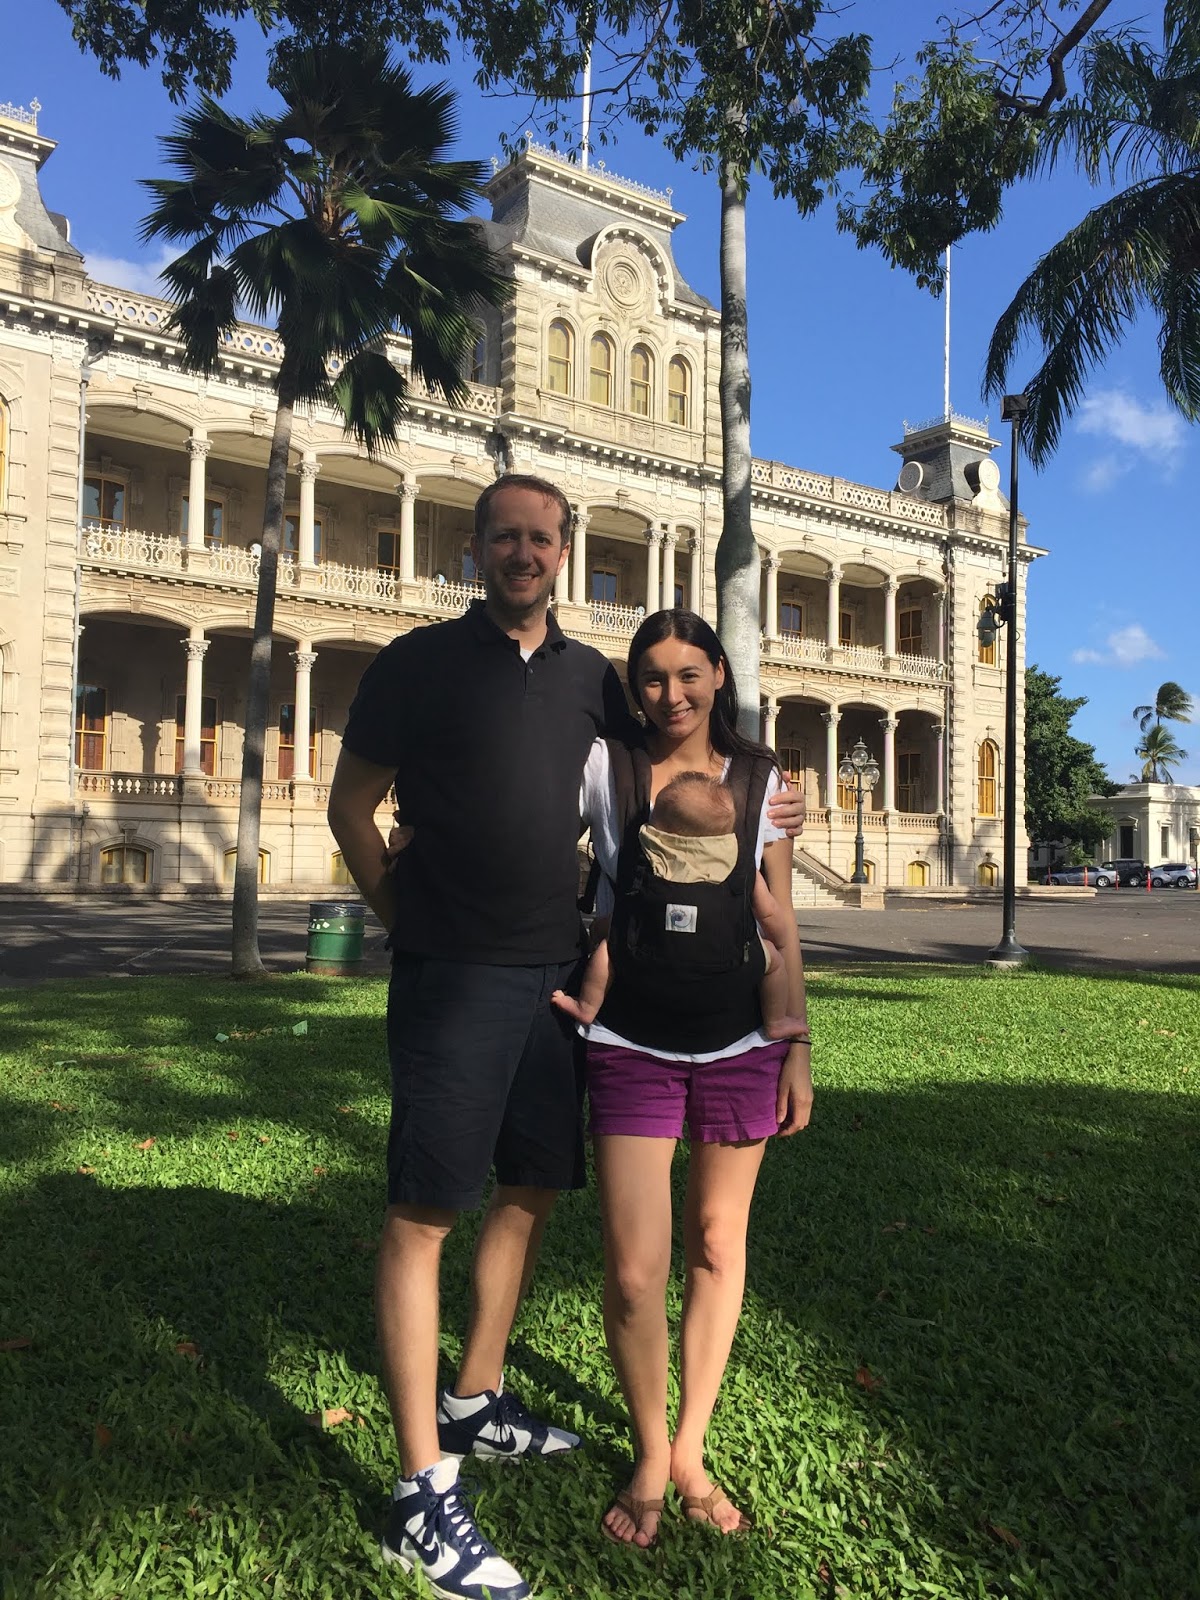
column 692, row 838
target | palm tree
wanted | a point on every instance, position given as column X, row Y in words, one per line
column 1136, row 123
column 336, row 220
column 1172, row 702
column 1158, row 752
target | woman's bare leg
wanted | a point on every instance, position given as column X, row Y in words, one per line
column 634, row 1175
column 721, row 1181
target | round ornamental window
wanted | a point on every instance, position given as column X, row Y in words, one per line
column 624, row 281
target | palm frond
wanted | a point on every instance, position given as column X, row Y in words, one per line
column 370, row 393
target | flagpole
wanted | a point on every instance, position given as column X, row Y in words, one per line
column 946, row 383
column 587, row 108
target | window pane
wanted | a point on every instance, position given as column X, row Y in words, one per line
column 791, row 619
column 91, row 499
column 677, row 392
column 910, row 633
column 388, row 550
column 604, row 586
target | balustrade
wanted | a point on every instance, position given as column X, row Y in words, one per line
column 623, row 620
column 129, row 785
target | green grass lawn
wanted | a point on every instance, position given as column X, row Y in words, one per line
column 969, row 1363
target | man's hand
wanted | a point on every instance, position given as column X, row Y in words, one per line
column 786, row 810
column 400, row 836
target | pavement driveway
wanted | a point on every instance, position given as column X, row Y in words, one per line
column 42, row 939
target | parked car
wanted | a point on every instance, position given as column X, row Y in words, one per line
column 1094, row 877
column 1175, row 874
column 1127, row 871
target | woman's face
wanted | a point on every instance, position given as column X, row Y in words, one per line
column 677, row 683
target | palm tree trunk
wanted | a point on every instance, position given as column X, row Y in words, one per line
column 247, row 962
column 738, row 568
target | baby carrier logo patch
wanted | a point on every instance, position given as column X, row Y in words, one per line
column 681, row 919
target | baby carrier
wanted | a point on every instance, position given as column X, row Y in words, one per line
column 686, row 958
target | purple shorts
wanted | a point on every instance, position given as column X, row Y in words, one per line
column 721, row 1101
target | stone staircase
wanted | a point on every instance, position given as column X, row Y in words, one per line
column 814, row 885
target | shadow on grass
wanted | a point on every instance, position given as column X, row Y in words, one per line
column 968, row 1354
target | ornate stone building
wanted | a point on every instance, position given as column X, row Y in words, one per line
column 131, row 492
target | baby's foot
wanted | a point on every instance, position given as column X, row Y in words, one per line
column 788, row 1028
column 573, row 1008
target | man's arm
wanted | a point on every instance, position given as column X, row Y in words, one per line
column 358, row 788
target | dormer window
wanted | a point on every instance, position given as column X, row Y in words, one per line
column 601, row 357
column 641, row 381
column 559, row 358
column 679, row 384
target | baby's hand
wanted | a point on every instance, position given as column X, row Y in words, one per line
column 571, row 1007
column 399, row 838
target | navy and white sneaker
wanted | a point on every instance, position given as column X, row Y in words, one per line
column 496, row 1424
column 431, row 1528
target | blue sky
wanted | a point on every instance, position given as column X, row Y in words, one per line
column 843, row 351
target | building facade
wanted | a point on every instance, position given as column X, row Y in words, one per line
column 131, row 496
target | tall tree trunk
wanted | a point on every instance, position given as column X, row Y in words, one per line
column 738, row 566
column 247, row 962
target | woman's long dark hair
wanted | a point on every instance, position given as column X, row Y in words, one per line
column 691, row 629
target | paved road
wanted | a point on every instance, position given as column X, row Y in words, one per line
column 71, row 939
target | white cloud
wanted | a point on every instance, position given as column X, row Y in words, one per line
column 1124, row 647
column 140, row 276
column 1152, row 434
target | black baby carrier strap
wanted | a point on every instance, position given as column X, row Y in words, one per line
column 686, row 958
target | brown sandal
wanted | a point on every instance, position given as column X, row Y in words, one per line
column 706, row 1504
column 636, row 1509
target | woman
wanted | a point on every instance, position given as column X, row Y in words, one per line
column 680, row 679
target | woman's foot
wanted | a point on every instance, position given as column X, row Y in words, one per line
column 634, row 1515
column 703, row 1501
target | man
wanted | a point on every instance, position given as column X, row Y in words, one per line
column 483, row 724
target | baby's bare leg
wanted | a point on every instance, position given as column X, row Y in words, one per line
column 596, row 978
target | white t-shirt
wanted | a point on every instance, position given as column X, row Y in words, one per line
column 598, row 808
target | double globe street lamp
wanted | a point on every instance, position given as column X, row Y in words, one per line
column 859, row 770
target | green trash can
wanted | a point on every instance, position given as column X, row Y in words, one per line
column 335, row 938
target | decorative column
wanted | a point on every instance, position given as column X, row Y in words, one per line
column 772, row 564
column 770, row 718
column 305, row 660
column 831, row 718
column 653, row 540
column 889, row 725
column 306, row 542
column 670, row 538
column 579, row 561
column 195, row 646
column 696, row 575
column 889, row 616
column 939, row 762
column 940, row 625
column 408, row 492
column 832, row 636
column 198, row 447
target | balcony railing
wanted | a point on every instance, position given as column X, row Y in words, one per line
column 130, row 785
column 840, row 491
column 856, row 657
column 623, row 620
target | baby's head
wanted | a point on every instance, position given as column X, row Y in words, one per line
column 695, row 805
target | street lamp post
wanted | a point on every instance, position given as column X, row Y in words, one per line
column 1002, row 612
column 861, row 770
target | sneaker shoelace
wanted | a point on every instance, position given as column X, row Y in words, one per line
column 509, row 1415
column 451, row 1523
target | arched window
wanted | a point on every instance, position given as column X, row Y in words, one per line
column 124, row 863
column 917, row 874
column 679, row 392
column 987, row 652
column 641, row 381
column 264, row 865
column 987, row 876
column 3, row 453
column 989, row 763
column 600, row 370
column 560, row 358
column 479, row 361
column 91, row 727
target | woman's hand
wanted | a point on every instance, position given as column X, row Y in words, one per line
column 786, row 810
column 793, row 1098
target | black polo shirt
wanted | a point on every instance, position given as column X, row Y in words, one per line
column 489, row 752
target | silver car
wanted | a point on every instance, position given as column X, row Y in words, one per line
column 1173, row 874
column 1091, row 877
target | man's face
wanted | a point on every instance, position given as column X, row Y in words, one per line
column 520, row 552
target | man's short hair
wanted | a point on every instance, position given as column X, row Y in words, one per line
column 525, row 480
column 695, row 805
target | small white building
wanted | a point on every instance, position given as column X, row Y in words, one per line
column 1152, row 822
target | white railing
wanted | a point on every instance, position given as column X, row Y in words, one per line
column 358, row 583
column 625, row 620
column 160, row 552
column 129, row 785
column 597, row 169
column 921, row 667
column 915, row 821
column 794, row 647
column 840, row 491
column 864, row 656
column 26, row 114
column 447, row 599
